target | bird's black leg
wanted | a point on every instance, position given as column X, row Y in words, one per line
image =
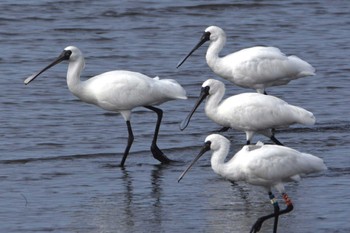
column 248, row 142
column 289, row 204
column 274, row 139
column 157, row 153
column 223, row 129
column 276, row 209
column 130, row 141
column 257, row 225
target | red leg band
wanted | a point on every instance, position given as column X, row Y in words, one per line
column 286, row 199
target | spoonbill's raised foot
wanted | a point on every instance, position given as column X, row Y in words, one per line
column 119, row 91
column 256, row 67
column 269, row 166
column 248, row 112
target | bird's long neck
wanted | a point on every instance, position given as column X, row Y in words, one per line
column 73, row 76
column 218, row 159
column 212, row 55
column 212, row 104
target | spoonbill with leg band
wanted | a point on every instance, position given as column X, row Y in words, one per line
column 268, row 166
column 119, row 91
column 256, row 67
column 248, row 112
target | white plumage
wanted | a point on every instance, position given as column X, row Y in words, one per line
column 262, row 165
column 119, row 91
column 256, row 67
column 269, row 166
column 248, row 112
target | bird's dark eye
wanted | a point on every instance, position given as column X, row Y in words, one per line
column 205, row 89
column 207, row 145
column 67, row 54
column 206, row 36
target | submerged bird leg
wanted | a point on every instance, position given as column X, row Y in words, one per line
column 257, row 225
column 157, row 153
column 130, row 141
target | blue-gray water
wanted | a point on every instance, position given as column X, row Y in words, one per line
column 58, row 157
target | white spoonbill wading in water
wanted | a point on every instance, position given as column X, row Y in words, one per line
column 256, row 67
column 249, row 112
column 119, row 91
column 269, row 166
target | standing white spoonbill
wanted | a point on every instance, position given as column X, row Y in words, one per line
column 249, row 112
column 256, row 67
column 119, row 91
column 269, row 166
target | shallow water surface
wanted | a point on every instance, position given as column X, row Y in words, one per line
column 59, row 156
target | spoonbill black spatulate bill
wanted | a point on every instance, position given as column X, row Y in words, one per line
column 269, row 166
column 256, row 67
column 248, row 112
column 119, row 91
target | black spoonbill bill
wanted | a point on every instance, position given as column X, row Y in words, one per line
column 248, row 112
column 119, row 91
column 269, row 166
column 256, row 67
